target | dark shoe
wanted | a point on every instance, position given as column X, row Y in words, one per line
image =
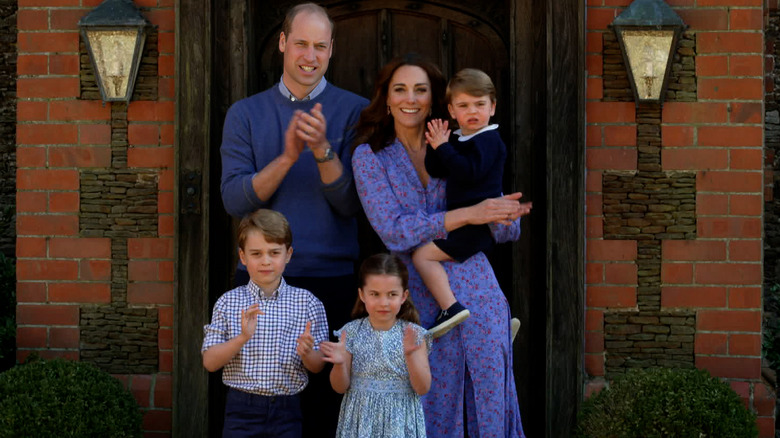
column 448, row 319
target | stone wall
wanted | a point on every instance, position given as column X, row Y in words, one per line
column 649, row 205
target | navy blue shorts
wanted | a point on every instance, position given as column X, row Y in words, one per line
column 259, row 416
column 464, row 242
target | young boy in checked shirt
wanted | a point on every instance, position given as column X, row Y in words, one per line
column 265, row 334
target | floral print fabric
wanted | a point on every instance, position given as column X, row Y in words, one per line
column 472, row 364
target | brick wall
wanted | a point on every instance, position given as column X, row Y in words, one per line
column 674, row 206
column 93, row 286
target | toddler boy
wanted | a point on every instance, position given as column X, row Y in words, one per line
column 473, row 163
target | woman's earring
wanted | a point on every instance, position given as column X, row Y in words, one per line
column 388, row 109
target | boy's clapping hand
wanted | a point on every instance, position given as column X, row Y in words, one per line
column 305, row 341
column 249, row 320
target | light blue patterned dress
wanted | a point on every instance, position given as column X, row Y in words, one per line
column 380, row 401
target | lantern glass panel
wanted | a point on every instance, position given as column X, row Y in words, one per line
column 113, row 51
column 648, row 53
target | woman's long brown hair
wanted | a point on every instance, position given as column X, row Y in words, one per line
column 386, row 264
column 375, row 125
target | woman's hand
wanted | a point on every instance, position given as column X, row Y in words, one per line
column 503, row 210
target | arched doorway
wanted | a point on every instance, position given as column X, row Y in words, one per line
column 531, row 48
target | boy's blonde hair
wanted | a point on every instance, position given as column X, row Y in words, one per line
column 272, row 224
column 472, row 82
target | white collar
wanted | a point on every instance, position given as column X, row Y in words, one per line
column 468, row 137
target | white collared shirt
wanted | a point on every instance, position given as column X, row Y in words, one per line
column 314, row 93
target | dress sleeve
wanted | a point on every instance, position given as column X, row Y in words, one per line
column 424, row 336
column 506, row 233
column 401, row 227
column 350, row 329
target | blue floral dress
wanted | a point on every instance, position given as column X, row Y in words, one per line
column 380, row 401
column 471, row 366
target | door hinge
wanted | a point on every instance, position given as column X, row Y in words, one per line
column 191, row 192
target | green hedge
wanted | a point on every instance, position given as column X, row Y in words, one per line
column 662, row 402
column 59, row 398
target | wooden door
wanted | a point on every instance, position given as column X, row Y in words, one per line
column 368, row 34
column 533, row 50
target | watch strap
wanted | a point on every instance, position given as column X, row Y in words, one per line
column 329, row 155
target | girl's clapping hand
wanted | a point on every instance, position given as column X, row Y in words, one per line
column 335, row 352
column 410, row 341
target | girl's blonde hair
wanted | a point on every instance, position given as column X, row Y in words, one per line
column 386, row 264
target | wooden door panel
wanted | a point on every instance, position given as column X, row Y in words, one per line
column 356, row 58
column 416, row 33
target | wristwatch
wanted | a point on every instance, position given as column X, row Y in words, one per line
column 329, row 155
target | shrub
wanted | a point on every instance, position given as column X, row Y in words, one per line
column 59, row 398
column 662, row 402
column 7, row 312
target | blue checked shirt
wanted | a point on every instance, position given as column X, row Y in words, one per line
column 267, row 364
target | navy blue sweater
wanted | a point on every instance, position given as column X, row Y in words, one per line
column 322, row 217
column 473, row 168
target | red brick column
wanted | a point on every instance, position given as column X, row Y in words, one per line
column 720, row 137
column 58, row 135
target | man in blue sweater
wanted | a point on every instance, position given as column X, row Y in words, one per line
column 288, row 149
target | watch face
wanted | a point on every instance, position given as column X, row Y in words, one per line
column 329, row 155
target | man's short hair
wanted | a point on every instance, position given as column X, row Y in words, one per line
column 472, row 82
column 272, row 224
column 310, row 8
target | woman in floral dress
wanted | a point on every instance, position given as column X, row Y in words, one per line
column 471, row 366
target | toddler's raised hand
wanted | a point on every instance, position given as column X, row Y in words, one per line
column 249, row 320
column 410, row 341
column 335, row 352
column 437, row 133
column 305, row 341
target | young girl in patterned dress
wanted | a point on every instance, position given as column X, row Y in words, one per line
column 381, row 360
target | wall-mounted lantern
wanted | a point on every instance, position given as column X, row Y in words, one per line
column 648, row 32
column 114, row 33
